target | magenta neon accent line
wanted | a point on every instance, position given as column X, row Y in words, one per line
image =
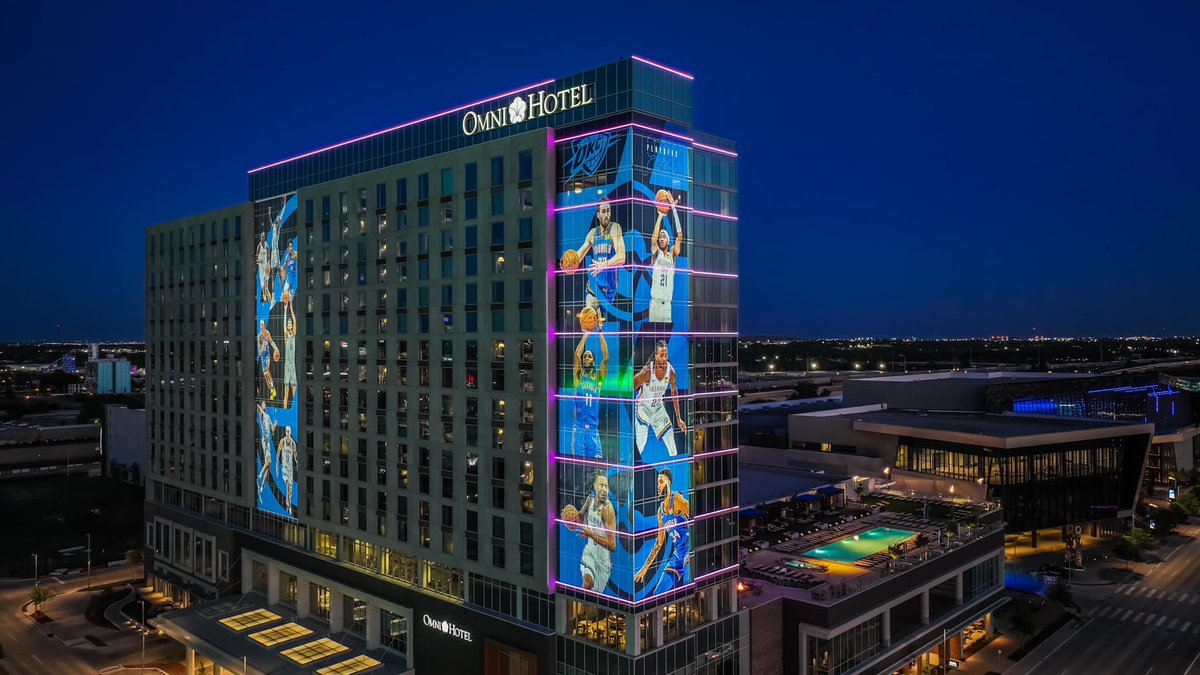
column 677, row 397
column 623, row 126
column 712, row 149
column 662, row 67
column 401, row 126
column 684, row 270
column 571, row 459
column 720, row 216
column 623, row 601
column 626, row 333
column 731, row 568
column 619, row 201
column 714, row 453
column 646, row 533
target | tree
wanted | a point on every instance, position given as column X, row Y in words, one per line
column 133, row 556
column 895, row 551
column 39, row 595
column 1023, row 620
column 1189, row 502
column 1060, row 592
column 922, row 540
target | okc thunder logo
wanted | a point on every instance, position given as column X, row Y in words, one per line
column 587, row 154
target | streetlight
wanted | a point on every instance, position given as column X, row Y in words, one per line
column 143, row 602
column 89, row 552
column 35, row 574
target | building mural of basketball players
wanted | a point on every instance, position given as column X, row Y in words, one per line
column 275, row 264
column 673, row 515
column 662, row 266
column 589, row 380
column 287, row 467
column 651, row 384
column 606, row 242
column 596, row 521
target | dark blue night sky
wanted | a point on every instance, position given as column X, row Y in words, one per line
column 939, row 170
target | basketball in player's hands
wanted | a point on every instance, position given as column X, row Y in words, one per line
column 589, row 319
column 569, row 261
column 664, row 200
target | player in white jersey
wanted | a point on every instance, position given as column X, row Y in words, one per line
column 263, row 258
column 290, row 382
column 651, row 383
column 662, row 272
column 598, row 524
column 266, row 429
column 276, row 224
column 287, row 465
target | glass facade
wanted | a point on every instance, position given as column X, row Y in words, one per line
column 1040, row 486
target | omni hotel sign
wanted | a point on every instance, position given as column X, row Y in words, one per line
column 447, row 628
column 528, row 107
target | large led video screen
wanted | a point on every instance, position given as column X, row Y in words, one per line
column 276, row 257
column 624, row 377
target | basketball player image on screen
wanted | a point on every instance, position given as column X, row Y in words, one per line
column 673, row 514
column 606, row 242
column 287, row 465
column 287, row 272
column 651, row 384
column 267, row 351
column 266, row 431
column 662, row 271
column 263, row 258
column 273, row 243
column 289, row 356
column 595, row 521
column 585, row 437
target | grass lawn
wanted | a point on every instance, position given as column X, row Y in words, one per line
column 57, row 512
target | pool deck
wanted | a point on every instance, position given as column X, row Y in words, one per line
column 838, row 580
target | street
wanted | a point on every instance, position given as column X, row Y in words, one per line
column 32, row 649
column 1151, row 625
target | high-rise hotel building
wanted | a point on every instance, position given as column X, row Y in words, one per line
column 458, row 396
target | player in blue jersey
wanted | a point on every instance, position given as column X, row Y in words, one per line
column 606, row 242
column 585, row 437
column 673, row 515
column 266, row 433
column 267, row 351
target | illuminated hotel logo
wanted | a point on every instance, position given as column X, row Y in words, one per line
column 529, row 107
column 447, row 628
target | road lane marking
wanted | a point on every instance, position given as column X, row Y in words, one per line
column 1184, row 627
column 1128, row 590
column 1170, row 645
column 1161, row 621
column 1174, row 622
column 1150, row 618
column 1060, row 645
column 1140, row 590
column 1194, row 599
column 1172, row 596
column 1138, row 617
column 1093, row 611
column 1189, row 668
column 1126, row 614
column 1183, row 597
column 35, row 656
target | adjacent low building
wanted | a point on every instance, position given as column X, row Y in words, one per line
column 836, row 601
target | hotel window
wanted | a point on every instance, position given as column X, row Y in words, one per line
column 393, row 632
column 471, row 177
column 525, row 199
column 320, row 601
column 472, row 236
column 423, row 187
column 498, row 234
column 497, row 203
column 471, row 205
column 525, row 165
column 447, row 183
column 401, row 192
column 497, row 171
column 381, row 196
column 525, row 231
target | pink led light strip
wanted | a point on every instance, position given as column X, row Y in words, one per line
column 712, row 149
column 710, row 575
column 626, row 333
column 622, row 126
column 646, row 533
column 662, row 67
column 401, row 126
column 622, row 200
column 678, row 397
column 695, row 273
